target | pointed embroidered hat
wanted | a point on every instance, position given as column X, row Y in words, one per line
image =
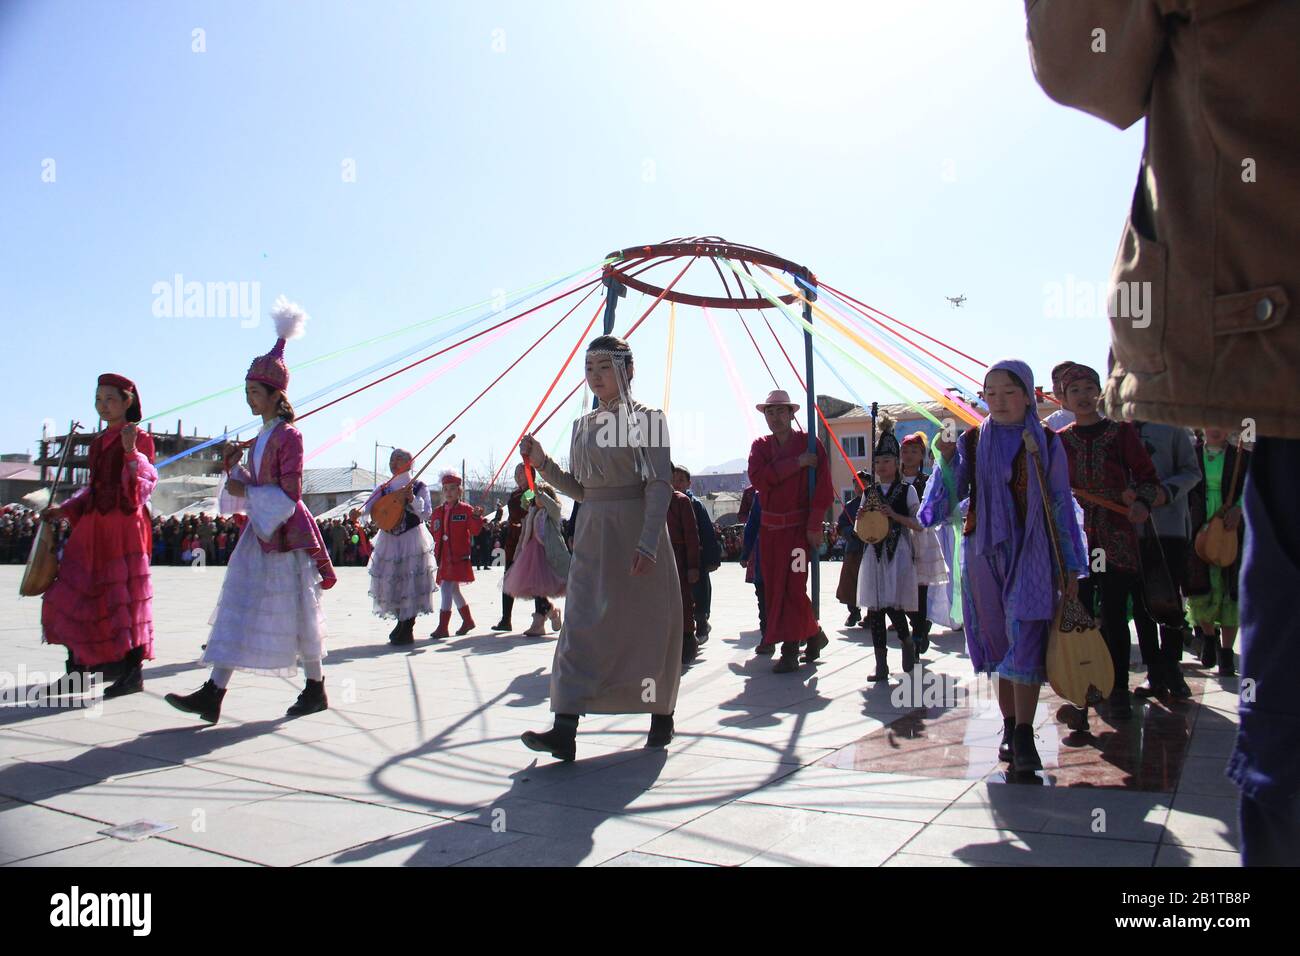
column 270, row 369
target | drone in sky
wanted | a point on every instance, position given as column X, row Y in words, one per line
column 956, row 300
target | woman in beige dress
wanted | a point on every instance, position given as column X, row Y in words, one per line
column 620, row 647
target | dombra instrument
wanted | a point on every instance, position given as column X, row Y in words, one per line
column 42, row 561
column 1077, row 657
column 1215, row 544
column 872, row 525
column 389, row 511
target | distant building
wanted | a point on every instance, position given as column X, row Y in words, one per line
column 18, row 477
column 702, row 485
column 326, row 488
column 166, row 444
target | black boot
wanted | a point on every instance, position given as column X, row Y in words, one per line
column 905, row 639
column 876, row 620
column 920, row 632
column 661, row 730
column 1209, row 648
column 1155, row 684
column 560, row 741
column 206, row 701
column 1227, row 666
column 765, row 650
column 702, row 629
column 131, row 678
column 816, row 644
column 855, row 615
column 1024, row 758
column 312, row 700
column 404, row 633
column 690, row 649
column 1004, row 749
column 789, row 660
column 1120, row 706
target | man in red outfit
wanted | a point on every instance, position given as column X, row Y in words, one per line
column 453, row 526
column 790, row 533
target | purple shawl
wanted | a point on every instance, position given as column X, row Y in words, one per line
column 1031, row 590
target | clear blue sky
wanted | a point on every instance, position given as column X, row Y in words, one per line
column 902, row 151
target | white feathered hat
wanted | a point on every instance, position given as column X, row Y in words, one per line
column 270, row 369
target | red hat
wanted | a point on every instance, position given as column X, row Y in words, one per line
column 916, row 438
column 270, row 369
column 449, row 478
column 1078, row 373
column 121, row 381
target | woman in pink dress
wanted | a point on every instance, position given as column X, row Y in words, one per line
column 101, row 606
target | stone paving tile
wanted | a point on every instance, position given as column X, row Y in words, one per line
column 1203, row 822
column 297, row 828
column 30, row 830
column 184, row 796
column 1021, row 848
column 107, row 851
column 637, row 858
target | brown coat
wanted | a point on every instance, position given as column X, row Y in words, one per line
column 1213, row 227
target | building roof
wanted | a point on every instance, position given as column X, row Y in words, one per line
column 899, row 411
column 326, row 481
column 18, row 471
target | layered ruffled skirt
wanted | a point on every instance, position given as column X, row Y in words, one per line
column 101, row 604
column 268, row 617
column 402, row 572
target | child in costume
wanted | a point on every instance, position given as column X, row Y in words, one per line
column 1211, row 590
column 1009, row 591
column 402, row 568
column 620, row 648
column 1107, row 459
column 516, row 510
column 846, row 590
column 927, row 552
column 268, row 618
column 101, row 605
column 532, row 574
column 454, row 525
column 887, row 576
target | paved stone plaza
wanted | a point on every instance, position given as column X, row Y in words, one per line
column 418, row 763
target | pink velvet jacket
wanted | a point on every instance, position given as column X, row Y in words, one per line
column 282, row 461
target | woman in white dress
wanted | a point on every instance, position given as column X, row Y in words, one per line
column 268, row 619
column 402, row 567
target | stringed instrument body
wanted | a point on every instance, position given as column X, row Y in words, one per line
column 872, row 526
column 1214, row 543
column 389, row 512
column 1077, row 656
column 43, row 561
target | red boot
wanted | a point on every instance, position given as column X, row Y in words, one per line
column 467, row 620
column 443, row 618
